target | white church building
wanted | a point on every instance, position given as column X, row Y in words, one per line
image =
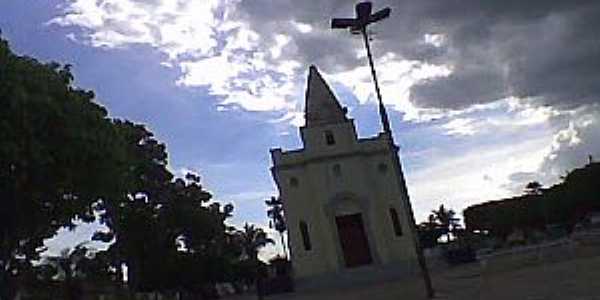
column 345, row 200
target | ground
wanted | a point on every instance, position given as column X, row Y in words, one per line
column 577, row 279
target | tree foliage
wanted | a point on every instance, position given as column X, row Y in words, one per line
column 564, row 203
column 252, row 239
column 446, row 219
column 165, row 231
column 429, row 232
column 63, row 161
column 277, row 218
column 59, row 154
column 441, row 222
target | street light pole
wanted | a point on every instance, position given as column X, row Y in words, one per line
column 382, row 112
column 359, row 25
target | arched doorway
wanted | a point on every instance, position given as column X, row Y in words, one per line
column 353, row 240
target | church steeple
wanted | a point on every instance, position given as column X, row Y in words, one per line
column 321, row 107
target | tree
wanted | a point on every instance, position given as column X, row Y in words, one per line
column 446, row 219
column 202, row 237
column 252, row 240
column 564, row 203
column 131, row 212
column 169, row 234
column 63, row 160
column 275, row 213
column 533, row 188
column 59, row 154
column 68, row 268
column 429, row 232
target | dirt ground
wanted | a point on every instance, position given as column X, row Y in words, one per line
column 577, row 279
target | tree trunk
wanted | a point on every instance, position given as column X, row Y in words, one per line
column 283, row 245
column 8, row 289
column 69, row 286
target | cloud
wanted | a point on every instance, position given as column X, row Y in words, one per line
column 488, row 152
column 460, row 126
column 463, row 88
column 65, row 238
column 505, row 115
column 211, row 49
column 492, row 75
column 541, row 49
column 453, row 180
column 475, row 52
column 576, row 137
column 572, row 145
column 175, row 27
column 249, row 54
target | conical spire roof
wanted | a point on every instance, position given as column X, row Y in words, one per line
column 321, row 107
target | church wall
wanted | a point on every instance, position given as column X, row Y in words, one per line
column 388, row 192
column 315, row 142
column 337, row 174
column 360, row 178
column 303, row 204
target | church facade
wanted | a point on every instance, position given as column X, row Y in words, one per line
column 346, row 205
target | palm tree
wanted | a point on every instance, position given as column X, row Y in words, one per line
column 429, row 232
column 252, row 240
column 446, row 219
column 275, row 212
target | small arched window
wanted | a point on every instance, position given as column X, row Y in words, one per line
column 395, row 221
column 294, row 182
column 305, row 236
column 329, row 139
column 337, row 170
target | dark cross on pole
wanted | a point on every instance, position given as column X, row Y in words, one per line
column 358, row 25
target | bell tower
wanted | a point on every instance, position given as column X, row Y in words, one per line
column 327, row 126
column 347, row 210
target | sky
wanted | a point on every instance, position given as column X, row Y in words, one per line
column 483, row 96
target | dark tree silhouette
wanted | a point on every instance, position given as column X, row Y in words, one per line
column 172, row 238
column 59, row 153
column 68, row 266
column 429, row 232
column 446, row 219
column 62, row 160
column 275, row 213
column 533, row 188
column 565, row 203
column 252, row 240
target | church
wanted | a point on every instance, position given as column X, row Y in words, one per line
column 345, row 200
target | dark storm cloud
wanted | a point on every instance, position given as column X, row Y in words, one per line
column 544, row 49
column 458, row 90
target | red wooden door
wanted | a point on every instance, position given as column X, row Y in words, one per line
column 354, row 240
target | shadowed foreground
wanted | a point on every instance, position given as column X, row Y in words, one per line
column 573, row 279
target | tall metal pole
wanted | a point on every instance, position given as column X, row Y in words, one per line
column 382, row 112
column 359, row 24
column 416, row 241
column 398, row 170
